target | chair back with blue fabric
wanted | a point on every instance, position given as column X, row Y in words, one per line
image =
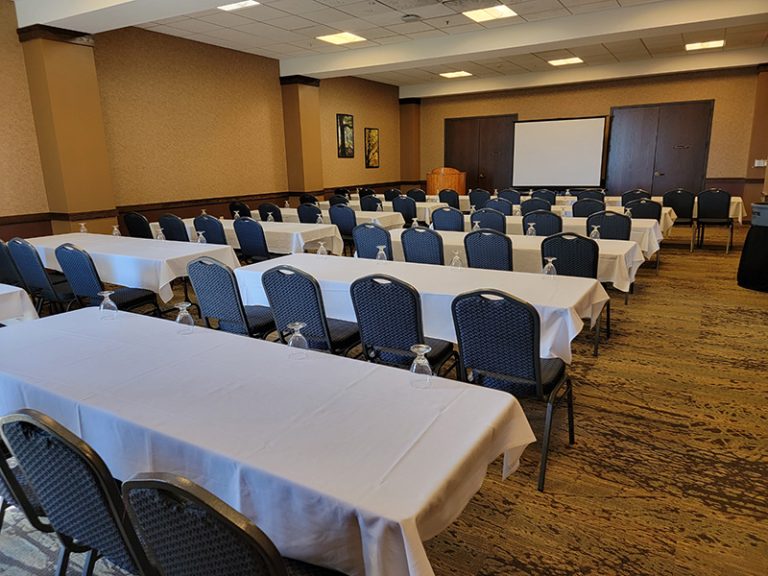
column 634, row 194
column 501, row 205
column 511, row 195
column 586, row 207
column 592, row 194
column 308, row 213
column 714, row 205
column 423, row 246
column 267, row 208
column 489, row 218
column 681, row 201
column 534, row 204
column 218, row 294
column 488, row 249
column 295, row 296
column 307, row 199
column 407, row 207
column 338, row 199
column 77, row 491
column 450, row 197
column 212, row 228
column 344, row 218
column 15, row 491
column 31, row 269
column 545, row 194
column 9, row 274
column 448, row 219
column 363, row 192
column 391, row 194
column 613, row 225
column 250, row 236
column 190, row 532
column 478, row 198
column 417, row 194
column 545, row 222
column 242, row 209
column 389, row 317
column 343, row 192
column 137, row 225
column 81, row 273
column 173, row 228
column 369, row 203
column 576, row 255
column 644, row 208
column 368, row 237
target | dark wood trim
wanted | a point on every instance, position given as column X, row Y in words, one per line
column 202, row 202
column 78, row 216
column 710, row 101
column 25, row 218
column 737, row 180
column 25, row 225
column 410, row 100
column 45, row 32
column 298, row 79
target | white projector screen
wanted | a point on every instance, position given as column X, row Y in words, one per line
column 558, row 152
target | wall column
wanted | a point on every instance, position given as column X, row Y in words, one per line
column 410, row 140
column 757, row 183
column 301, row 117
column 70, row 130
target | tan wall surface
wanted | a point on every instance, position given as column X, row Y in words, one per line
column 187, row 120
column 733, row 92
column 373, row 105
column 22, row 190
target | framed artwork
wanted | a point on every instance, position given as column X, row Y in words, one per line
column 371, row 147
column 345, row 135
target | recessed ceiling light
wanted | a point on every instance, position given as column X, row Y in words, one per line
column 238, row 5
column 705, row 45
column 459, row 74
column 493, row 13
column 341, row 38
column 566, row 61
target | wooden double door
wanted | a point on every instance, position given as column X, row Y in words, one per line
column 483, row 148
column 659, row 147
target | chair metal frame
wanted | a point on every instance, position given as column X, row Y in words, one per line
column 212, row 228
column 174, row 228
column 489, row 219
column 252, row 240
column 478, row 198
column 137, row 225
column 447, row 218
column 542, row 220
column 364, row 248
column 423, row 246
column 265, row 208
column 534, row 204
column 449, row 196
column 36, row 279
column 585, row 208
column 481, row 255
column 714, row 215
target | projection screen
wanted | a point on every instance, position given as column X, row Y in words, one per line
column 558, row 152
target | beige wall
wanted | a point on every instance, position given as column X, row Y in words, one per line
column 186, row 120
column 373, row 105
column 21, row 182
column 733, row 92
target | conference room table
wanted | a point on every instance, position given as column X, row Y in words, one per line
column 135, row 262
column 645, row 231
column 666, row 223
column 562, row 302
column 423, row 209
column 281, row 237
column 388, row 220
column 342, row 463
column 15, row 305
column 618, row 262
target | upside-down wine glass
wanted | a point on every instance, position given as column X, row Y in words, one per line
column 322, row 251
column 549, row 267
column 237, row 214
column 456, row 260
column 595, row 234
column 203, row 212
column 107, row 308
column 184, row 319
column 201, row 237
column 381, row 255
column 516, row 210
column 83, row 228
column 420, row 366
column 160, row 235
column 531, row 229
column 628, row 212
column 476, row 225
column 270, row 217
column 379, row 207
column 296, row 341
column 116, row 230
column 319, row 219
column 287, row 204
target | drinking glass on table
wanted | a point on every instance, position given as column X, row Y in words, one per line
column 287, row 204
column 476, row 226
column 381, row 255
column 201, row 237
column 83, row 228
column 116, row 230
column 107, row 307
column 379, row 207
column 322, row 251
column 456, row 260
column 203, row 212
column 184, row 319
column 595, row 234
column 270, row 217
column 319, row 219
column 160, row 235
column 549, row 267
column 237, row 214
column 628, row 212
column 516, row 210
column 420, row 366
column 531, row 229
column 296, row 341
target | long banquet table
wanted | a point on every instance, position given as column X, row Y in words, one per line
column 737, row 211
column 561, row 301
column 281, row 237
column 342, row 463
column 388, row 220
column 618, row 262
column 135, row 262
column 423, row 209
column 645, row 232
column 15, row 304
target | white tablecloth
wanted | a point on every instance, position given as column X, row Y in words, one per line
column 15, row 304
column 618, row 263
column 281, row 237
column 423, row 209
column 388, row 220
column 342, row 463
column 562, row 302
column 135, row 262
column 645, row 232
column 668, row 215
column 737, row 211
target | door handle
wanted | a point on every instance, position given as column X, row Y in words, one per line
column 658, row 173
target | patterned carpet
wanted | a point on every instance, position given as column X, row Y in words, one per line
column 669, row 473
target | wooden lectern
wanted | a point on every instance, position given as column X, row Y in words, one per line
column 441, row 178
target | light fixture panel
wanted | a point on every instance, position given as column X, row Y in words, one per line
column 238, row 5
column 566, row 61
column 705, row 45
column 341, row 38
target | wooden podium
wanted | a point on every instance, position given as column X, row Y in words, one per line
column 441, row 178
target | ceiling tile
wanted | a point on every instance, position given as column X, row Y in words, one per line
column 634, row 46
column 546, row 15
column 448, row 21
column 392, row 39
column 426, row 34
column 315, row 31
column 554, row 54
column 593, row 6
column 366, row 9
column 591, row 50
column 432, row 11
column 261, row 13
column 502, row 22
column 326, row 16
column 173, row 31
column 334, row 3
column 385, row 18
column 192, row 25
column 533, row 6
column 292, row 22
column 463, row 29
column 225, row 19
column 410, row 27
column 297, row 6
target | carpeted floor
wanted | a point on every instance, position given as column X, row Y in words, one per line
column 669, row 473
